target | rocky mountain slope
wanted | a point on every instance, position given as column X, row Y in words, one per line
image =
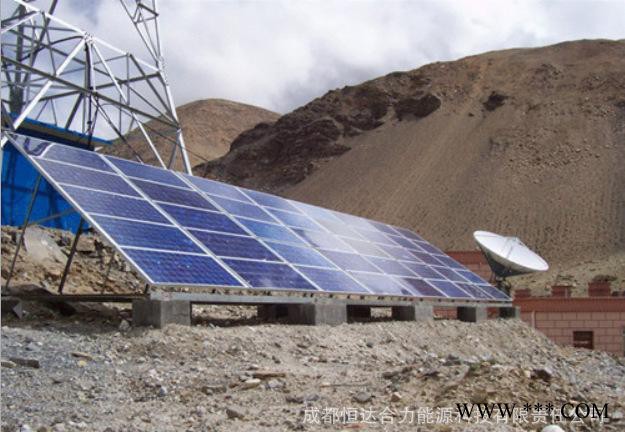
column 208, row 125
column 529, row 142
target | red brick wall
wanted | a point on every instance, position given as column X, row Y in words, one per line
column 558, row 318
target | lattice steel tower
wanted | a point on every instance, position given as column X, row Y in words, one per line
column 58, row 74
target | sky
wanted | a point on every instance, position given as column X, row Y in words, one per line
column 281, row 54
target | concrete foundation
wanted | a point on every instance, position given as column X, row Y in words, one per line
column 272, row 312
column 12, row 306
column 318, row 313
column 159, row 313
column 413, row 313
column 358, row 313
column 510, row 312
column 472, row 313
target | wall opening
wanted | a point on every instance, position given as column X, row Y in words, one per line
column 583, row 339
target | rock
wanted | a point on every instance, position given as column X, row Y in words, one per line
column 274, row 384
column 41, row 247
column 86, row 244
column 28, row 362
column 162, row 391
column 25, row 428
column 124, row 326
column 59, row 427
column 265, row 374
column 250, row 383
column 545, row 374
column 233, row 412
column 494, row 101
column 552, row 428
column 417, row 107
column 7, row 363
column 395, row 397
column 369, row 344
column 362, row 397
column 82, row 355
column 452, row 360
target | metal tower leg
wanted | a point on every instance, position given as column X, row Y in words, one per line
column 33, row 198
column 71, row 255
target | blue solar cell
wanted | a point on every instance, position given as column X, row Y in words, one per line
column 349, row 261
column 191, row 218
column 173, row 195
column 404, row 242
column 377, row 237
column 365, row 248
column 147, row 172
column 241, row 209
column 323, row 240
column 429, row 248
column 409, row 234
column 269, row 275
column 217, row 188
column 270, row 231
column 387, row 229
column 472, row 277
column 115, row 205
column 424, row 271
column 354, row 221
column 426, row 258
column 295, row 220
column 450, row 274
column 138, row 234
column 422, row 287
column 318, row 212
column 398, row 252
column 75, row 156
column 339, row 228
column 271, row 201
column 474, row 290
column 494, row 292
column 176, row 268
column 234, row 246
column 300, row 255
column 76, row 176
column 450, row 262
column 391, row 267
column 382, row 284
column 450, row 289
column 332, row 280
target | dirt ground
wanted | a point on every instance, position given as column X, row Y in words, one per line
column 93, row 372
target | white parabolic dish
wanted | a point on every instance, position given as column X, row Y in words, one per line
column 510, row 253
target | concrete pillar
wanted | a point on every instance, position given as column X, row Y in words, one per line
column 413, row 313
column 473, row 314
column 358, row 313
column 159, row 313
column 318, row 313
column 510, row 312
column 271, row 312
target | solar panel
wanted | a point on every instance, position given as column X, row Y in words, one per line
column 178, row 229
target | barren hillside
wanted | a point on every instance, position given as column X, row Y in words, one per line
column 208, row 125
column 523, row 141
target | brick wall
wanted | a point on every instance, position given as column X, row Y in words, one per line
column 558, row 318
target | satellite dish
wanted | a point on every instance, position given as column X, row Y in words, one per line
column 508, row 256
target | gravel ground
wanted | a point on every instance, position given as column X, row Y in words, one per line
column 92, row 372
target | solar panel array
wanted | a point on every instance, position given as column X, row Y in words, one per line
column 178, row 229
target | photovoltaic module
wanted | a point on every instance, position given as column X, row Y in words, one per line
column 181, row 230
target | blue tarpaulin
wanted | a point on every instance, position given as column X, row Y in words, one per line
column 18, row 180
